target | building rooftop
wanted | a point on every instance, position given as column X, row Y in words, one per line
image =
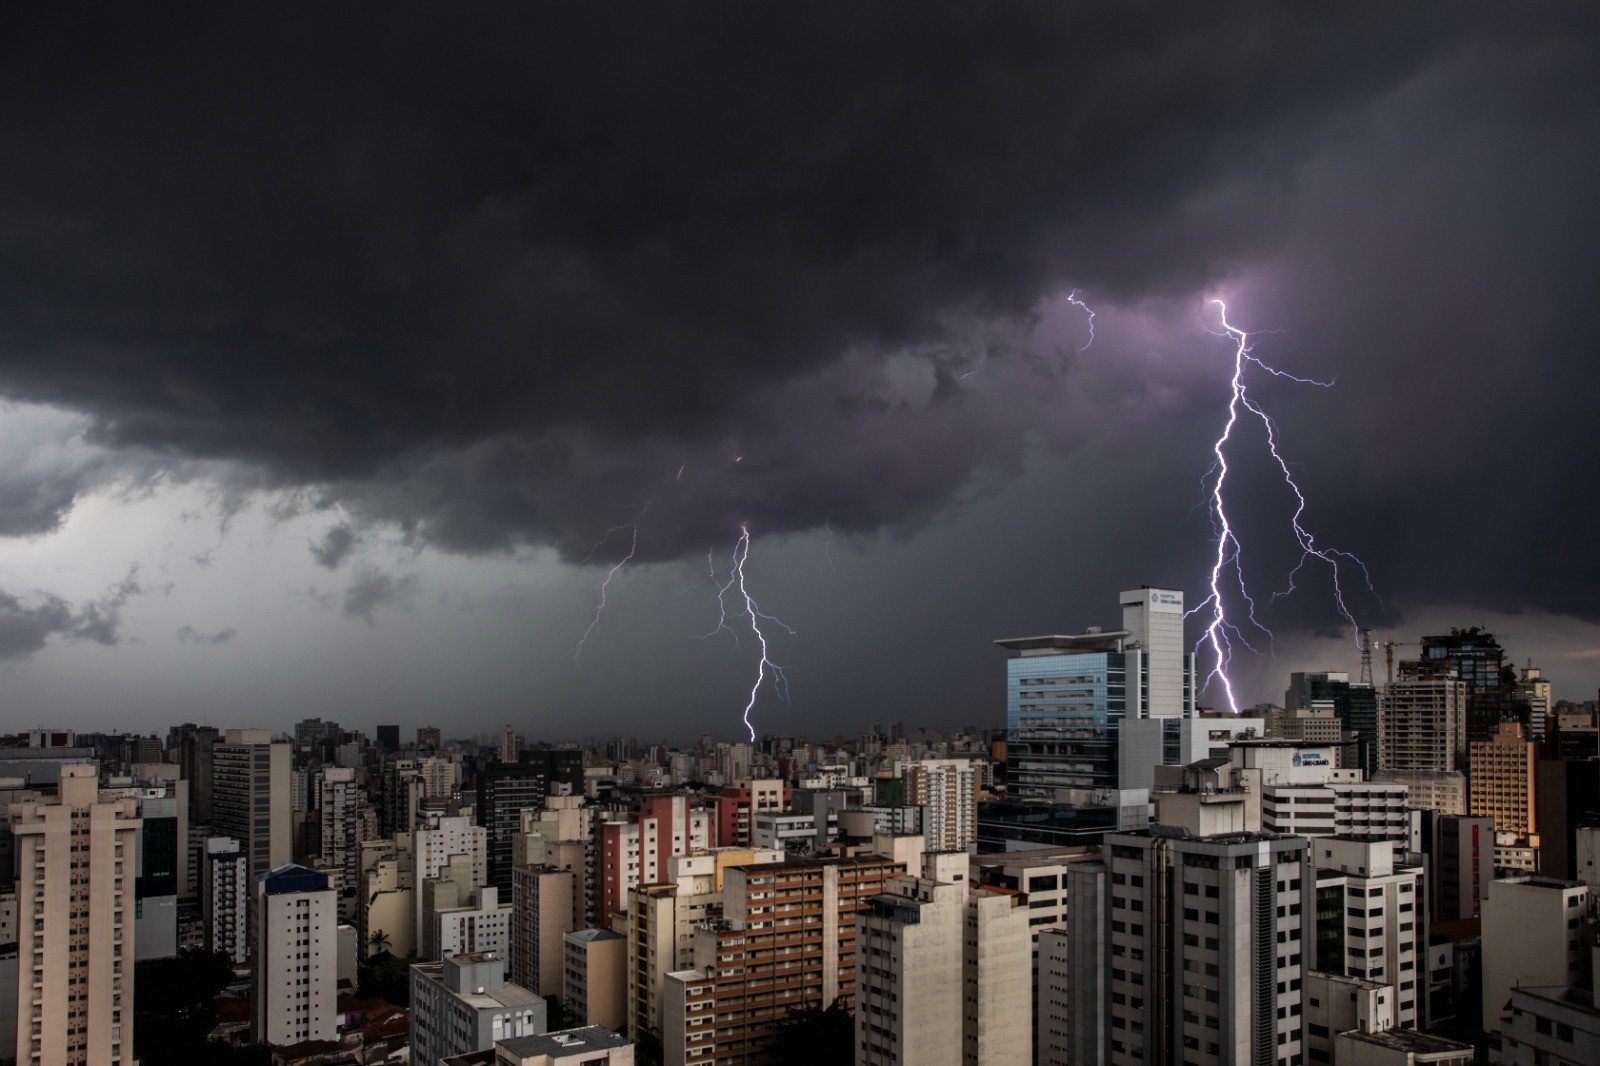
column 507, row 995
column 1408, row 1040
column 291, row 877
column 585, row 935
column 1093, row 640
column 1567, row 995
column 1039, row 857
column 566, row 1043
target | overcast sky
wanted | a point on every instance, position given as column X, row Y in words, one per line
column 335, row 339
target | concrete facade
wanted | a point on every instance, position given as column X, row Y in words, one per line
column 464, row 1004
column 595, row 980
column 294, row 989
column 225, row 899
column 73, row 989
column 250, row 798
column 1206, row 941
column 1532, row 935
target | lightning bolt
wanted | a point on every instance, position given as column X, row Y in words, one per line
column 605, row 585
column 1227, row 567
column 1072, row 298
column 765, row 667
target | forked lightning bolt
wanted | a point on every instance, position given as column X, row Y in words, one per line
column 605, row 585
column 1221, row 633
column 765, row 666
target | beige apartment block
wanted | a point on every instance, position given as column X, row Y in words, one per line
column 596, row 980
column 75, row 864
column 662, row 919
column 1502, row 780
column 787, row 939
column 1533, row 934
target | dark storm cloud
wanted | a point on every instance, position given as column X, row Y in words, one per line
column 498, row 276
column 190, row 635
column 373, row 589
column 334, row 547
column 25, row 628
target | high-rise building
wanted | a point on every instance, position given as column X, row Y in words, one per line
column 1566, row 793
column 339, row 797
column 947, row 790
column 445, row 838
column 389, row 738
column 1422, row 723
column 546, row 905
column 428, row 738
column 1372, row 919
column 662, row 918
column 1067, row 696
column 508, row 744
column 595, row 985
column 745, row 977
column 1533, row 934
column 162, row 866
column 737, row 806
column 942, row 971
column 225, row 898
column 293, row 995
column 1461, row 865
column 506, row 789
column 250, row 799
column 75, row 858
column 1355, row 706
column 1038, row 878
column 191, row 747
column 1501, row 780
column 1207, row 942
column 1477, row 660
column 636, row 851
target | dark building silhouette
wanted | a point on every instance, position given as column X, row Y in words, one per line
column 505, row 790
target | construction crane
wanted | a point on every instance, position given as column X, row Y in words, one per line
column 1388, row 647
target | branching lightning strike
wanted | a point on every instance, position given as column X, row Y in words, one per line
column 1221, row 633
column 605, row 585
column 764, row 666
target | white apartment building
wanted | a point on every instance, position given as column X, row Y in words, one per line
column 481, row 924
column 75, row 873
column 294, row 990
column 464, row 1004
column 445, row 838
column 1054, row 997
column 1551, row 1027
column 1206, row 941
column 942, row 971
column 1376, row 810
column 947, row 790
column 225, row 898
column 1372, row 908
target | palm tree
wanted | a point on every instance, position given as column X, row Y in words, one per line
column 378, row 942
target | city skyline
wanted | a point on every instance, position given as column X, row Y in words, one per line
column 328, row 365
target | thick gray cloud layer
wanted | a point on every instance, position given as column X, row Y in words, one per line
column 512, row 275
